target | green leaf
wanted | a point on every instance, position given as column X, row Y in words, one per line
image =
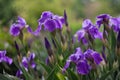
column 52, row 74
column 8, row 77
column 72, row 75
column 46, row 67
column 107, row 74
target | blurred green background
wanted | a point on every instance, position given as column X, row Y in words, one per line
column 77, row 10
column 31, row 10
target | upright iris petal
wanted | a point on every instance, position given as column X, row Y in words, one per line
column 86, row 24
column 21, row 21
column 45, row 15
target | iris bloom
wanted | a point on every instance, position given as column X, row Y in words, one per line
column 90, row 29
column 4, row 58
column 29, row 61
column 81, row 64
column 16, row 28
column 51, row 21
column 81, row 60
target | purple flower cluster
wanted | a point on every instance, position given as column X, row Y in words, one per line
column 27, row 62
column 112, row 22
column 83, row 61
column 16, row 28
column 50, row 22
column 4, row 58
column 88, row 29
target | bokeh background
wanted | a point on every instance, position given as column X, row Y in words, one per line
column 77, row 10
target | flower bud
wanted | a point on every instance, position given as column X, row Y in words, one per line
column 48, row 47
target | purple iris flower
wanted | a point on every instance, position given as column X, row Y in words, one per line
column 102, row 18
column 78, row 58
column 16, row 28
column 51, row 21
column 115, row 24
column 93, row 56
column 29, row 61
column 26, row 63
column 81, row 60
column 4, row 58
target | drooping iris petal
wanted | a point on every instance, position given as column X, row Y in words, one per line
column 21, row 21
column 66, row 65
column 45, row 15
column 8, row 60
column 14, row 30
column 84, row 41
column 36, row 32
column 97, row 57
column 4, row 58
column 83, row 67
column 94, row 32
column 86, row 24
column 50, row 25
column 93, row 56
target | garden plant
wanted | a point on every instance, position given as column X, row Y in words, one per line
column 92, row 53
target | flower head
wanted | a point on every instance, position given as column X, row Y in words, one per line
column 102, row 18
column 29, row 61
column 93, row 56
column 81, row 60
